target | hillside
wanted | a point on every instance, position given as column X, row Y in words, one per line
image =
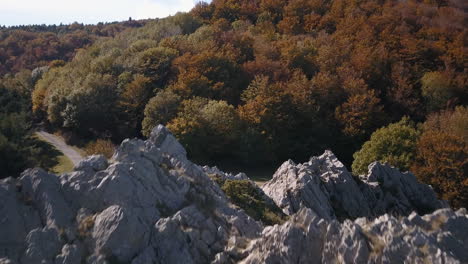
column 253, row 83
column 28, row 47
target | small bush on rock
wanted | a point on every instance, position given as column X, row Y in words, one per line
column 395, row 144
column 244, row 194
column 85, row 226
column 100, row 147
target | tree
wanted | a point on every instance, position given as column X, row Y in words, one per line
column 442, row 155
column 203, row 11
column 155, row 63
column 133, row 101
column 442, row 161
column 270, row 111
column 395, row 144
column 201, row 123
column 360, row 115
column 187, row 22
column 12, row 160
column 437, row 89
column 88, row 109
column 160, row 110
column 210, row 74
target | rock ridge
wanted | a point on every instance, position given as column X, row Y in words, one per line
column 150, row 204
column 324, row 185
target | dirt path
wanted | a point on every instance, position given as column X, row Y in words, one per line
column 60, row 145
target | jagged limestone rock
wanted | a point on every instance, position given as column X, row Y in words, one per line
column 71, row 254
column 150, row 204
column 439, row 237
column 387, row 190
column 121, row 211
column 324, row 185
column 215, row 172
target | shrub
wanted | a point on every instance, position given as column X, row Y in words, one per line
column 201, row 123
column 437, row 88
column 100, row 146
column 85, row 226
column 160, row 110
column 247, row 196
column 395, row 144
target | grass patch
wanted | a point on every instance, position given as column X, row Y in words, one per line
column 44, row 154
column 247, row 196
column 50, row 158
column 259, row 175
column 64, row 165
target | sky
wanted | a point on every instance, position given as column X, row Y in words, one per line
column 26, row 12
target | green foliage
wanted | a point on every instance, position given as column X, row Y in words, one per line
column 395, row 144
column 187, row 23
column 90, row 107
column 160, row 110
column 19, row 150
column 132, row 102
column 297, row 76
column 12, row 161
column 212, row 75
column 201, row 123
column 247, row 196
column 155, row 62
column 29, row 47
column 437, row 89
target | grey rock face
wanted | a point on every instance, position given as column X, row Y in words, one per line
column 307, row 238
column 38, row 72
column 71, row 254
column 150, row 204
column 111, row 231
column 95, row 162
column 324, row 185
column 388, row 190
column 42, row 246
column 128, row 210
column 214, row 171
column 17, row 217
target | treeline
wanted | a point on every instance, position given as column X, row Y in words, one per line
column 28, row 47
column 26, row 53
column 19, row 148
column 262, row 81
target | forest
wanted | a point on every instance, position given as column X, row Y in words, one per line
column 254, row 82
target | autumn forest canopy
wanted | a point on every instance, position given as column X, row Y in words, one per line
column 254, row 82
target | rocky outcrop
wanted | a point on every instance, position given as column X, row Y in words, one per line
column 324, row 185
column 439, row 237
column 215, row 172
column 150, row 204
